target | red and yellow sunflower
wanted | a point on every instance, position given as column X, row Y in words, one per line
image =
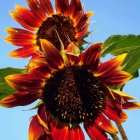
column 67, row 22
column 74, row 91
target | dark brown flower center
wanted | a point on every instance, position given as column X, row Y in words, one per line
column 74, row 95
column 57, row 23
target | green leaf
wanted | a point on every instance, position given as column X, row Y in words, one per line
column 132, row 62
column 118, row 44
column 5, row 89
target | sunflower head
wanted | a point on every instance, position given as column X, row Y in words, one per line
column 65, row 24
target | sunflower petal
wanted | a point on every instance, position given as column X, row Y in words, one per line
column 105, row 124
column 83, row 20
column 19, row 99
column 43, row 71
column 59, row 131
column 27, row 16
column 19, row 19
column 36, row 9
column 51, row 54
column 76, row 133
column 35, row 129
column 80, row 34
column 23, row 52
column 43, row 118
column 122, row 94
column 72, row 59
column 95, row 133
column 75, row 7
column 61, row 6
column 107, row 68
column 24, row 82
column 117, row 78
column 91, row 57
column 131, row 105
column 115, row 113
column 47, row 7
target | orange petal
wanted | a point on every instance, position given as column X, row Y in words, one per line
column 20, row 33
column 51, row 54
column 91, row 57
column 80, row 34
column 105, row 124
column 117, row 78
column 36, row 9
column 59, row 131
column 75, row 7
column 23, row 52
column 95, row 133
column 47, row 6
column 61, row 6
column 108, row 67
column 72, row 59
column 35, row 129
column 19, row 99
column 118, row 94
column 17, row 41
column 76, row 133
column 43, row 71
column 28, row 16
column 114, row 113
column 131, row 105
column 24, row 82
column 43, row 118
column 19, row 19
column 83, row 20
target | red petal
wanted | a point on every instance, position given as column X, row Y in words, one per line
column 76, row 134
column 59, row 131
column 47, row 6
column 28, row 16
column 117, row 78
column 72, row 59
column 105, row 124
column 24, row 82
column 43, row 71
column 19, row 99
column 35, row 129
column 51, row 54
column 107, row 68
column 131, row 105
column 114, row 113
column 95, row 133
column 20, row 20
column 44, row 118
column 61, row 6
column 80, row 34
column 36, row 9
column 23, row 52
column 75, row 7
column 119, row 94
column 83, row 20
column 91, row 57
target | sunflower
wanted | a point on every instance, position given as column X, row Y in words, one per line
column 67, row 22
column 74, row 91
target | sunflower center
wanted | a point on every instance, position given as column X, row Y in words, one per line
column 62, row 24
column 74, row 95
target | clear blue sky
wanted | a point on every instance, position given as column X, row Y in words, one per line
column 112, row 17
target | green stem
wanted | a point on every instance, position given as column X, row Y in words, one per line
column 121, row 130
column 114, row 137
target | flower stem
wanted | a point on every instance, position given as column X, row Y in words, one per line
column 121, row 130
column 114, row 137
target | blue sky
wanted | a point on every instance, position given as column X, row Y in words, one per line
column 111, row 17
